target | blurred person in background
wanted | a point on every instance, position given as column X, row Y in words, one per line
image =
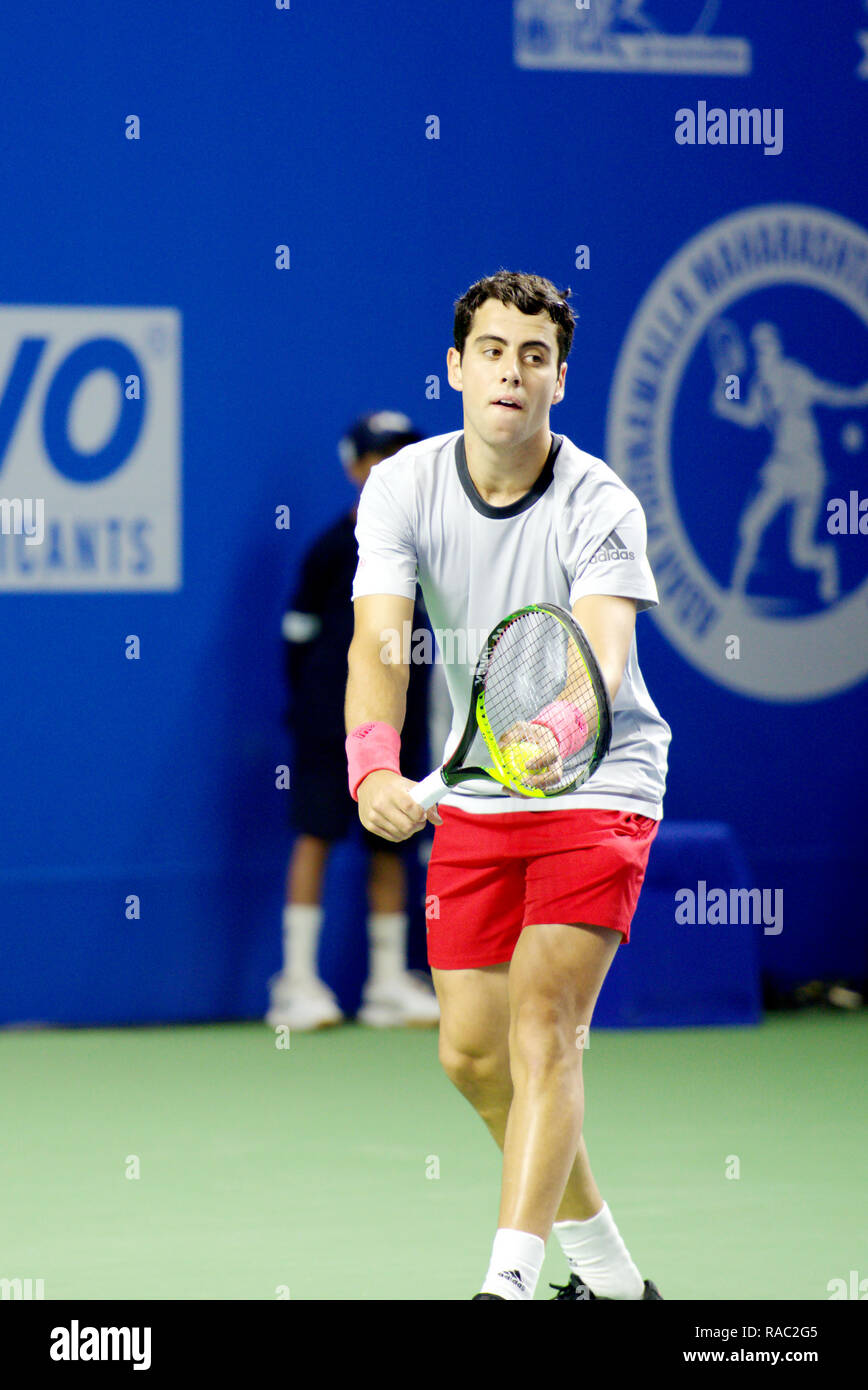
column 318, row 630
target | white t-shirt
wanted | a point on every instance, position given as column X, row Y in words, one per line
column 579, row 530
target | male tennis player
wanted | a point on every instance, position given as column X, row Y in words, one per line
column 535, row 896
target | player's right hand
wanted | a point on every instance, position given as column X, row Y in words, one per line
column 386, row 806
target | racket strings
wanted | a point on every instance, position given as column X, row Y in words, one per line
column 534, row 662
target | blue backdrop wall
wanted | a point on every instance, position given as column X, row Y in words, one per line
column 169, row 378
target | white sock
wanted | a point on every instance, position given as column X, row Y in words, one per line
column 387, row 946
column 302, row 923
column 516, row 1260
column 596, row 1252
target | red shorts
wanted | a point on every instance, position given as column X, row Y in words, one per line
column 491, row 875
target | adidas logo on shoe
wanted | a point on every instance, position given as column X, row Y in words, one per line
column 577, row 1290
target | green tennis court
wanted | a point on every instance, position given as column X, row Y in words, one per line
column 346, row 1166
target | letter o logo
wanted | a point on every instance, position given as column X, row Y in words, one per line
column 100, row 354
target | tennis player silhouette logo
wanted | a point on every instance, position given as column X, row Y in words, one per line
column 781, row 397
column 746, row 486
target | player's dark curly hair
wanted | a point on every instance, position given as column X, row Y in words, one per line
column 531, row 294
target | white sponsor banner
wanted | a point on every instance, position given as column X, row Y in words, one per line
column 626, row 36
column 90, row 457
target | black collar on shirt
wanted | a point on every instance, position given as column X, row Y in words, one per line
column 522, row 503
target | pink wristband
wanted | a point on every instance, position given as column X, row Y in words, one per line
column 567, row 723
column 370, row 747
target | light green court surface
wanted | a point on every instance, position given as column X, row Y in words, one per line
column 307, row 1168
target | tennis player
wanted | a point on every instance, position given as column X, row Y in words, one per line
column 534, row 896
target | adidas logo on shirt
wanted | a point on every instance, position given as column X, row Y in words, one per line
column 613, row 548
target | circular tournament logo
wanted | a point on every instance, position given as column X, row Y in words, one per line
column 739, row 417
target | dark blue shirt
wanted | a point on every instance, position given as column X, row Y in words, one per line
column 318, row 629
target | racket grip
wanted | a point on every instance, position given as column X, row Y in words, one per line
column 429, row 791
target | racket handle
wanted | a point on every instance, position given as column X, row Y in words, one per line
column 429, row 791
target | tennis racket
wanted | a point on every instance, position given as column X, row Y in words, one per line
column 726, row 348
column 534, row 657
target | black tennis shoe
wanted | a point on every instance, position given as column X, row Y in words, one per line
column 577, row 1290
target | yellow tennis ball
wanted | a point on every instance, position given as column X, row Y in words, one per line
column 517, row 756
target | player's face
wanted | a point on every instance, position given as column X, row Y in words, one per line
column 508, row 353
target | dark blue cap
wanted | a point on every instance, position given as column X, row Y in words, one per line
column 379, row 432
